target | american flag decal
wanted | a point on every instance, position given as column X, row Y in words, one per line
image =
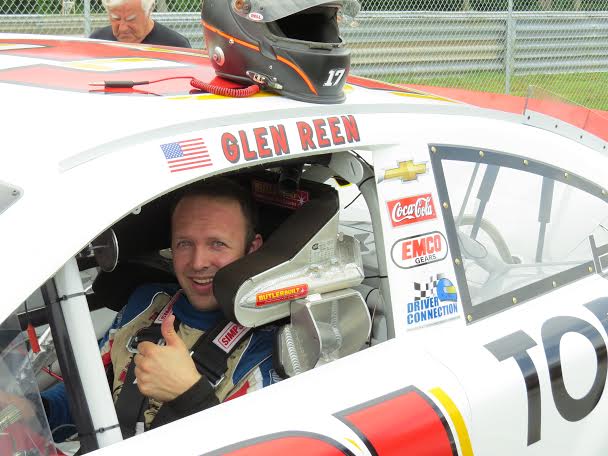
column 185, row 155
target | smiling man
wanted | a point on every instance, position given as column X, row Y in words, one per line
column 130, row 22
column 209, row 232
column 170, row 351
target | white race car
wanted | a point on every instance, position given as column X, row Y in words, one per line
column 459, row 307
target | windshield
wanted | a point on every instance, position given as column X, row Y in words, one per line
column 23, row 426
column 272, row 10
column 522, row 228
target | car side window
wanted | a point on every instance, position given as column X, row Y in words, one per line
column 23, row 425
column 522, row 228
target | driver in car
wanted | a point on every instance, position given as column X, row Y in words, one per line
column 170, row 352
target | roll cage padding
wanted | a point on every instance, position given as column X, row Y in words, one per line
column 283, row 245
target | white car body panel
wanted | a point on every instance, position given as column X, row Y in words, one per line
column 83, row 161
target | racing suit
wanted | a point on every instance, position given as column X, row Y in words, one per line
column 249, row 365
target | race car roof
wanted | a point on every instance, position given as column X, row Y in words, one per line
column 47, row 82
column 78, row 157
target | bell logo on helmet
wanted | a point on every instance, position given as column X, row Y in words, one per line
column 255, row 17
column 218, row 56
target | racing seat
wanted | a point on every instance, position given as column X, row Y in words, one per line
column 299, row 278
column 303, row 272
column 142, row 235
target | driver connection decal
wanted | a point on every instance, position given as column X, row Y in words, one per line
column 435, row 300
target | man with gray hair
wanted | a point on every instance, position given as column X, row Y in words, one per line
column 130, row 22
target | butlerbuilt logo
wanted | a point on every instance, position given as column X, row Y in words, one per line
column 281, row 295
column 413, row 209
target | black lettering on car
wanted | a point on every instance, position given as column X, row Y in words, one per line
column 516, row 346
column 553, row 330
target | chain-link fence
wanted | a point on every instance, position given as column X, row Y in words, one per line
column 498, row 46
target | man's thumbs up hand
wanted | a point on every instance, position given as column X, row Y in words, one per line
column 165, row 372
column 168, row 332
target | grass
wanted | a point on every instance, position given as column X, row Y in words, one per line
column 587, row 89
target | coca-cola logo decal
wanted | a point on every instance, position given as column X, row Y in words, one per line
column 413, row 209
column 419, row 250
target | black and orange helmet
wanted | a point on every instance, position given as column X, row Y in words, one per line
column 292, row 47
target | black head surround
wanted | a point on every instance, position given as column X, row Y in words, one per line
column 301, row 278
column 303, row 255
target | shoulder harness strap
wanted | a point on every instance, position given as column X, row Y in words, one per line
column 211, row 352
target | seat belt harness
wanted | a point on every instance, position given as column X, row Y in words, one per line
column 210, row 354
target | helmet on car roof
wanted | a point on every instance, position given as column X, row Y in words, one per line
column 292, row 47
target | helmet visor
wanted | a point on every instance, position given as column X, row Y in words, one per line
column 272, row 10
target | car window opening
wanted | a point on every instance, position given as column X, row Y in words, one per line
column 343, row 318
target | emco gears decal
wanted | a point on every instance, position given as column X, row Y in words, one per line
column 419, row 250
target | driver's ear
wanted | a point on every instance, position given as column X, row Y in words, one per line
column 255, row 244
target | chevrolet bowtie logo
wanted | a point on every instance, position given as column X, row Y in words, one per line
column 406, row 171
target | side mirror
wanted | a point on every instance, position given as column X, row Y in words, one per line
column 103, row 249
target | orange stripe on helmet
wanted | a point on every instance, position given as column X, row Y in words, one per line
column 289, row 63
column 229, row 37
column 298, row 70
